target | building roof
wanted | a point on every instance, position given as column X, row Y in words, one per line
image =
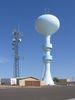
column 29, row 77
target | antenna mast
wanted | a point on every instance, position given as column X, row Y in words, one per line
column 46, row 10
column 15, row 43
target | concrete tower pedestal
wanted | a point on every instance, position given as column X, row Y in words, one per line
column 47, row 59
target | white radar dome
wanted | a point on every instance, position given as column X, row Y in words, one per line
column 47, row 24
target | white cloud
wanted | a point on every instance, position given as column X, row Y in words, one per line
column 4, row 60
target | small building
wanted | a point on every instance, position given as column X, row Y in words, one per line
column 63, row 82
column 30, row 81
column 71, row 83
column 5, row 81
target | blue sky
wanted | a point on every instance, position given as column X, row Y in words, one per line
column 24, row 13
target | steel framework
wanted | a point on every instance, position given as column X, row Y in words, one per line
column 15, row 43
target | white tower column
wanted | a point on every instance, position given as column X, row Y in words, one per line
column 47, row 59
column 47, row 25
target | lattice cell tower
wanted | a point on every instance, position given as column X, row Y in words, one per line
column 15, row 43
